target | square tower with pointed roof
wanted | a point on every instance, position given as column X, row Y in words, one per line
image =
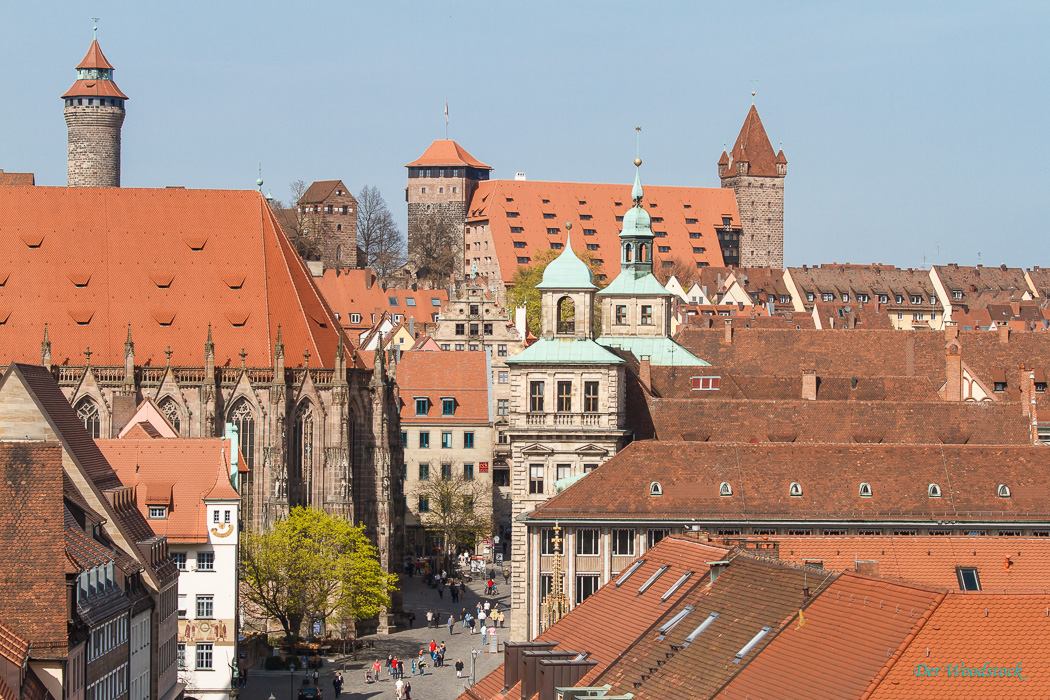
column 756, row 174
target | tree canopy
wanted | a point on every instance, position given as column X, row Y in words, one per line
column 377, row 234
column 456, row 509
column 313, row 565
column 524, row 292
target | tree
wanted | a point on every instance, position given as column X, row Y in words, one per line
column 682, row 270
column 303, row 231
column 457, row 509
column 524, row 292
column 313, row 564
column 377, row 234
column 434, row 248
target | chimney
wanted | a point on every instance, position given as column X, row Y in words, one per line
column 953, row 367
column 412, row 326
column 1004, row 332
column 562, row 674
column 369, row 279
column 512, row 659
column 530, row 668
column 809, row 385
column 728, row 338
column 645, row 375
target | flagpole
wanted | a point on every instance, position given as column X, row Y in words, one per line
column 446, row 120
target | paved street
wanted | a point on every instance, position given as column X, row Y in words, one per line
column 438, row 683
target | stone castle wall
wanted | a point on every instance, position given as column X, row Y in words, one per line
column 94, row 145
column 760, row 201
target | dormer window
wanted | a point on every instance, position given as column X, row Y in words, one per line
column 795, row 489
column 655, row 489
column 1003, row 491
column 725, row 489
column 865, row 490
column 158, row 512
column 934, row 491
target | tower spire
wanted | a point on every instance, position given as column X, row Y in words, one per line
column 94, row 113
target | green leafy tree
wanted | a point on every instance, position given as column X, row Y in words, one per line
column 457, row 509
column 524, row 292
column 313, row 564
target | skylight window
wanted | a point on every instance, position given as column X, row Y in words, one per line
column 655, row 489
column 392, row 300
column 795, row 489
column 627, row 573
column 410, row 301
column 934, row 490
column 700, row 629
column 652, row 579
column 865, row 490
column 751, row 645
column 1003, row 491
column 673, row 622
column 725, row 489
column 675, row 586
column 968, row 579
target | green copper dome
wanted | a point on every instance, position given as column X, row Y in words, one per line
column 636, row 222
column 567, row 271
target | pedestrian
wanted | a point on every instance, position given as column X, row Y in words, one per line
column 451, row 625
column 244, row 677
column 484, row 634
column 336, row 683
column 390, row 664
column 462, row 587
column 482, row 617
column 441, row 590
column 430, row 616
column 459, row 668
column 400, row 668
column 414, row 667
column 421, row 662
column 408, row 690
column 487, row 606
column 477, row 608
column 315, row 677
column 399, row 689
column 375, row 669
column 411, row 617
column 491, row 584
column 433, row 651
column 463, row 618
column 472, row 624
column 454, row 590
column 502, row 617
column 441, row 654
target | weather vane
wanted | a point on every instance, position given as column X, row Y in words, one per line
column 96, row 25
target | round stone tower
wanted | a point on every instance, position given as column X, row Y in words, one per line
column 94, row 110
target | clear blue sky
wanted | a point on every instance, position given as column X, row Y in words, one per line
column 907, row 126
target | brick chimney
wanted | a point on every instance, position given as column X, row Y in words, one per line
column 809, row 385
column 728, row 338
column 645, row 374
column 1004, row 333
column 953, row 368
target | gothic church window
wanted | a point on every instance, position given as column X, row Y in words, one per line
column 170, row 409
column 302, row 446
column 87, row 412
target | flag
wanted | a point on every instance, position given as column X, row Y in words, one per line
column 446, row 112
column 801, row 618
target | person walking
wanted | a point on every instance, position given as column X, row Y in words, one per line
column 488, row 606
column 375, row 669
column 471, row 624
column 421, row 662
column 411, row 617
column 337, row 683
column 463, row 618
column 451, row 625
column 441, row 590
column 430, row 617
column 408, row 690
column 459, row 668
column 400, row 668
column 482, row 617
column 414, row 667
column 484, row 634
column 501, row 617
column 399, row 689
column 454, row 591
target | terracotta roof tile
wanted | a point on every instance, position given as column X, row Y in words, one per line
column 148, row 465
column 840, row 645
column 121, row 237
column 447, row 152
column 461, row 375
column 12, row 646
column 94, row 58
column 351, row 292
column 17, row 179
column 830, row 475
column 676, row 211
column 753, row 146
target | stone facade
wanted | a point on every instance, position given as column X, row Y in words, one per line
column 327, row 212
column 760, row 201
column 94, row 143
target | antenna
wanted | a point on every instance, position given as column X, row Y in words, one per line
column 446, row 120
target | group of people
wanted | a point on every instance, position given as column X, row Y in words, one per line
column 337, row 683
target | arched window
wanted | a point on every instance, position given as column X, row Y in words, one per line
column 641, row 253
column 338, row 253
column 566, row 316
column 795, row 489
column 302, row 454
column 243, row 417
column 627, row 252
column 87, row 412
column 170, row 409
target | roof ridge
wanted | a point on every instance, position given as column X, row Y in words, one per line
column 902, row 647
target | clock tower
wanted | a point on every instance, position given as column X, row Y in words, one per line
column 94, row 111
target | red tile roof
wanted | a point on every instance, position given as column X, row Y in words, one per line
column 33, row 588
column 321, row 190
column 1012, row 564
column 460, row 374
column 509, row 205
column 149, row 467
column 706, row 417
column 841, row 644
column 12, row 646
column 94, row 88
column 349, row 291
column 447, row 152
column 980, row 631
column 91, row 261
column 587, row 628
column 94, row 58
column 753, row 146
column 830, row 476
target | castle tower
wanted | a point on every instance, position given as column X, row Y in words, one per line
column 756, row 174
column 440, row 185
column 94, row 111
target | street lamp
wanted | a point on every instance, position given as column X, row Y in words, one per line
column 291, row 681
column 474, row 653
column 344, row 649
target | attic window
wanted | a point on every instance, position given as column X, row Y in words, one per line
column 725, row 489
column 655, row 489
column 79, row 279
column 627, row 573
column 675, row 586
column 1003, row 491
column 700, row 629
column 865, row 490
column 934, row 491
column 33, row 239
column 673, row 622
column 690, row 221
column 751, row 645
column 237, row 319
column 195, row 242
column 410, row 301
column 968, row 579
column 392, row 300
column 795, row 489
column 158, row 512
column 652, row 579
column 4, row 315
column 162, row 279
column 3, row 278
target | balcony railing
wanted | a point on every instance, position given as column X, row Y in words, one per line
column 564, row 420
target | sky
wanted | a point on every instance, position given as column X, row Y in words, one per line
column 915, row 132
